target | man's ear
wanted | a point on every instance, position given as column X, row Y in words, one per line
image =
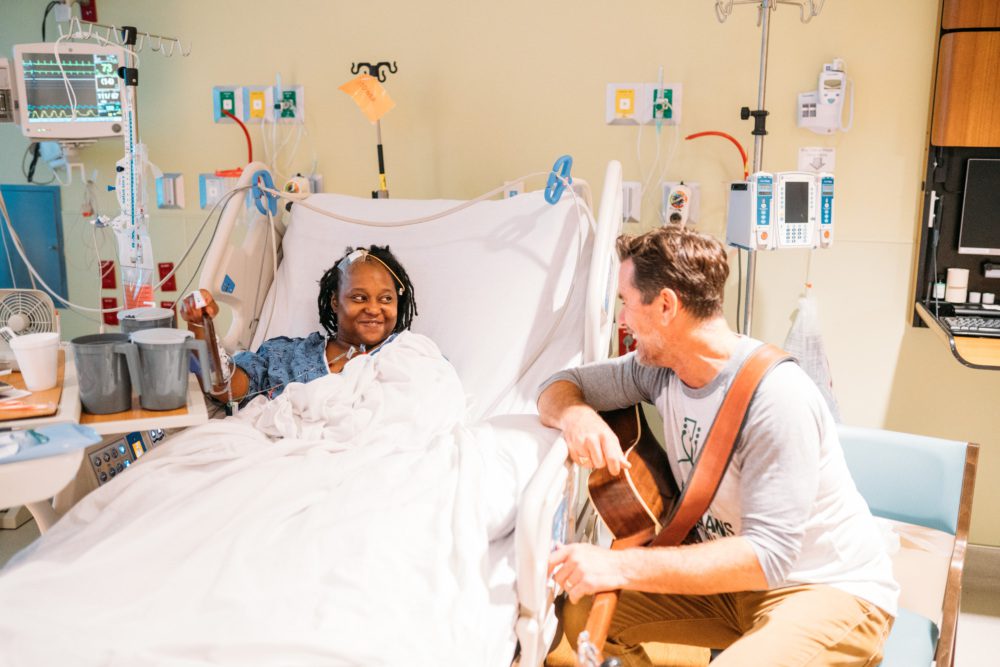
column 669, row 302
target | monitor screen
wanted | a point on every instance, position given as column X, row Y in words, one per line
column 796, row 201
column 75, row 94
column 979, row 233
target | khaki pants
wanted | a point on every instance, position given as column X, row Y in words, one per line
column 799, row 625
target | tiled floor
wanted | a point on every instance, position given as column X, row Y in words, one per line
column 978, row 627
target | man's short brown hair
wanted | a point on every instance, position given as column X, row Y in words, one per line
column 693, row 265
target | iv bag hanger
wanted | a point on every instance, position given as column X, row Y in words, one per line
column 377, row 72
column 109, row 34
column 723, row 8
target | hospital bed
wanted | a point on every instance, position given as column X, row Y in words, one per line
column 510, row 291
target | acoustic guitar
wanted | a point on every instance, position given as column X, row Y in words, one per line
column 634, row 506
column 643, row 505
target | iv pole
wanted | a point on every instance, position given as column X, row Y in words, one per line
column 723, row 8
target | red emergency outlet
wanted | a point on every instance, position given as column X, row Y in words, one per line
column 165, row 269
column 110, row 302
column 626, row 342
column 108, row 274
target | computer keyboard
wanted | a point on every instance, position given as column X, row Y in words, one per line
column 971, row 325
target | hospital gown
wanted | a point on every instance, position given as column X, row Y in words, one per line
column 282, row 360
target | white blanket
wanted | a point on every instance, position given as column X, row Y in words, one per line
column 343, row 523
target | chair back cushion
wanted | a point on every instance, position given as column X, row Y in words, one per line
column 905, row 477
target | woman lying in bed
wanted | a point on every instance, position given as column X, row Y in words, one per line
column 348, row 521
column 365, row 299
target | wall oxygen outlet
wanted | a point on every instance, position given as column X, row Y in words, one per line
column 664, row 103
column 291, row 105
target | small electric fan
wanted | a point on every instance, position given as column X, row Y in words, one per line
column 24, row 311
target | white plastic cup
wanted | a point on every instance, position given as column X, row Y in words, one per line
column 974, row 297
column 958, row 278
column 38, row 356
column 989, row 298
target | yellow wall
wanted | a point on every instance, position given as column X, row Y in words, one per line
column 488, row 91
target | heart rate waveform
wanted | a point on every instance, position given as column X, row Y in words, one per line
column 72, row 88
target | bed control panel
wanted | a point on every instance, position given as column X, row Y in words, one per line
column 112, row 458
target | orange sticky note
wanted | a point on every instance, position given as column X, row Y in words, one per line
column 369, row 95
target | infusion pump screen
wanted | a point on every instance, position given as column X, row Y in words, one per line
column 92, row 78
column 796, row 201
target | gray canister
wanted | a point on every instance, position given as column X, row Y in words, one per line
column 138, row 319
column 103, row 373
column 161, row 366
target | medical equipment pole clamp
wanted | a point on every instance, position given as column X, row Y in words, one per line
column 559, row 178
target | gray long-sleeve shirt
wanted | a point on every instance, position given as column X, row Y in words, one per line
column 787, row 489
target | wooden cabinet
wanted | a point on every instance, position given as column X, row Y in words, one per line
column 967, row 94
column 958, row 14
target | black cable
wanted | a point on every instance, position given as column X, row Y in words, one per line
column 45, row 16
column 36, row 151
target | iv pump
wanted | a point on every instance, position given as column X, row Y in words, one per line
column 784, row 209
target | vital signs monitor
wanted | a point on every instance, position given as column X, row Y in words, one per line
column 69, row 90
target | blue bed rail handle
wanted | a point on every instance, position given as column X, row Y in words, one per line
column 559, row 178
column 258, row 195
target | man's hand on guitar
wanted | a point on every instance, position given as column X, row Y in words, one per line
column 585, row 569
column 591, row 442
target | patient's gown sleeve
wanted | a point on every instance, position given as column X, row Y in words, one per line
column 279, row 361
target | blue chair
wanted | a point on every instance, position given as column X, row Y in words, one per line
column 924, row 482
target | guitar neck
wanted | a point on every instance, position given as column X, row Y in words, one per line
column 599, row 621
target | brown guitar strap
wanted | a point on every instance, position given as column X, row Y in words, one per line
column 700, row 490
column 718, row 448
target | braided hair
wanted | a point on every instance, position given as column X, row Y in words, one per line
column 329, row 287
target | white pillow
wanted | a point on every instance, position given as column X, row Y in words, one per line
column 500, row 286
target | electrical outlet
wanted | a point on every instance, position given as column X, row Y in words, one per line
column 226, row 98
column 212, row 188
column 631, row 201
column 664, row 103
column 170, row 191
column 625, row 104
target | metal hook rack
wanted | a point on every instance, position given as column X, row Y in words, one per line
column 807, row 8
column 375, row 70
column 78, row 29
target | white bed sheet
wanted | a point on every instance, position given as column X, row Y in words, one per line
column 494, row 283
column 298, row 533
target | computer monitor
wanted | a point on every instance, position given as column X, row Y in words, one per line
column 979, row 233
column 44, row 80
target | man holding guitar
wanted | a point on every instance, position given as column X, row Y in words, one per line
column 790, row 569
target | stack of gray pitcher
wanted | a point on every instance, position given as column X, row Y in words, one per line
column 150, row 356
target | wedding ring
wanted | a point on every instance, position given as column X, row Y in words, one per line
column 584, row 460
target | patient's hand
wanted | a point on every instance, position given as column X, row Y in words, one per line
column 192, row 312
